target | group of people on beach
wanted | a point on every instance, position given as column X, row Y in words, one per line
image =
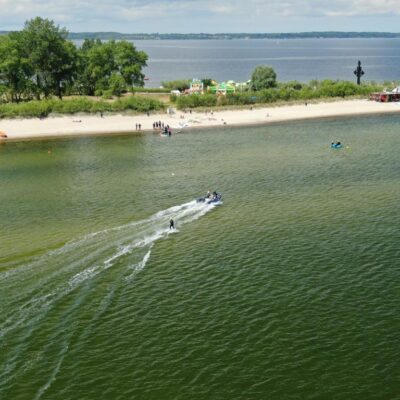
column 138, row 127
column 158, row 125
column 165, row 129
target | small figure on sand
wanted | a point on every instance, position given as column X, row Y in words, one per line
column 171, row 224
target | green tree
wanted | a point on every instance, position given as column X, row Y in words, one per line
column 97, row 65
column 66, row 73
column 15, row 69
column 117, row 84
column 52, row 57
column 129, row 63
column 99, row 61
column 263, row 77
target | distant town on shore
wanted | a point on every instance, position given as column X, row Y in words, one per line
column 219, row 36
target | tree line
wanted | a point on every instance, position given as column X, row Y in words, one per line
column 40, row 62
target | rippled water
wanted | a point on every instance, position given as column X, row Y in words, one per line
column 288, row 290
column 292, row 59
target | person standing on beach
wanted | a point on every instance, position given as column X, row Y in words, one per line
column 171, row 224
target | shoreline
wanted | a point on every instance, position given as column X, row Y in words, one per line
column 117, row 124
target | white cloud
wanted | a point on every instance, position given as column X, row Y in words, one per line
column 365, row 7
column 194, row 15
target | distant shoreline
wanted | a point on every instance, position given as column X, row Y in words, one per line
column 87, row 125
column 228, row 36
column 231, row 36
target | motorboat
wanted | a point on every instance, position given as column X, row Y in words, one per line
column 211, row 198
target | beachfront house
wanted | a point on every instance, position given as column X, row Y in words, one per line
column 196, row 87
column 222, row 88
column 385, row 96
column 228, row 87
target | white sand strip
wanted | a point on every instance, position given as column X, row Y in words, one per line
column 109, row 124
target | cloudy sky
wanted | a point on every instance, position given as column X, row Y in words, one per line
column 184, row 16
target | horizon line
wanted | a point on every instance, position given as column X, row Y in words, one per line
column 228, row 33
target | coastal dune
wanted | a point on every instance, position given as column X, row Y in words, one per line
column 82, row 125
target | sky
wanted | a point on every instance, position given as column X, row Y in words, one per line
column 211, row 16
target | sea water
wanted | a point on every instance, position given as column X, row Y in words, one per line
column 288, row 290
column 292, row 59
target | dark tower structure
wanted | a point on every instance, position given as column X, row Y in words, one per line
column 359, row 72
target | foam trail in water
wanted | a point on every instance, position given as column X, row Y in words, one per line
column 53, row 375
column 163, row 214
column 57, row 273
column 136, row 268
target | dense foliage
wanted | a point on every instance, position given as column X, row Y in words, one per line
column 83, row 104
column 179, row 84
column 149, row 90
column 111, row 66
column 40, row 61
column 289, row 91
column 263, row 77
column 196, row 100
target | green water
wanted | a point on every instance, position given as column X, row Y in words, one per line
column 288, row 290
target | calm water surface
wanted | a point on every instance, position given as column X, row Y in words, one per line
column 289, row 290
column 292, row 59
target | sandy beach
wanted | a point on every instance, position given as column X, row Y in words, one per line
column 81, row 125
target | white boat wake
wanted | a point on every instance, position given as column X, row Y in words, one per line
column 36, row 286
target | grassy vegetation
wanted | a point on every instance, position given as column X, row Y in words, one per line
column 43, row 108
column 179, row 84
column 163, row 97
column 150, row 90
column 195, row 100
column 284, row 92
